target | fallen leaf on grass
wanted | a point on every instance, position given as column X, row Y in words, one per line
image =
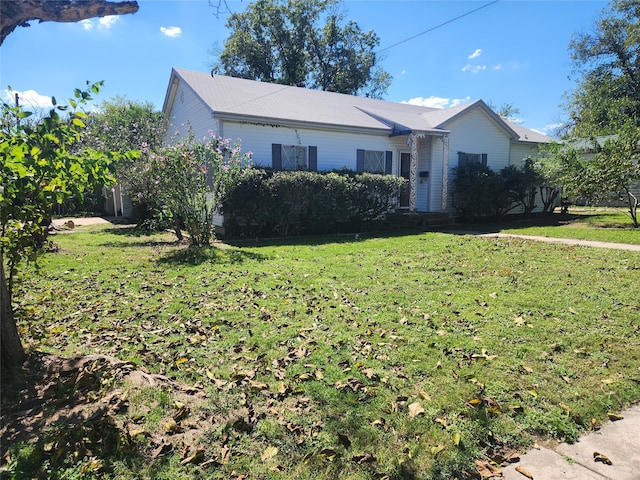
column 415, row 409
column 162, row 450
column 614, row 417
column 171, row 426
column 269, row 453
column 599, row 457
column 364, row 458
column 436, row 450
column 487, row 471
column 328, row 453
column 524, row 472
column 197, row 457
column 225, row 455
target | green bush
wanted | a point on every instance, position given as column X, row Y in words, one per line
column 267, row 202
column 479, row 192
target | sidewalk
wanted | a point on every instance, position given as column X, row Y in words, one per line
column 564, row 241
column 617, row 443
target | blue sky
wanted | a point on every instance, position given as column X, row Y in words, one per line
column 511, row 51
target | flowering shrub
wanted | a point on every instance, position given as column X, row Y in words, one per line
column 192, row 179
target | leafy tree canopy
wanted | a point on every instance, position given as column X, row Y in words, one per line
column 41, row 167
column 305, row 43
column 607, row 65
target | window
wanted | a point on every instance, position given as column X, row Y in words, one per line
column 466, row 158
column 294, row 157
column 374, row 161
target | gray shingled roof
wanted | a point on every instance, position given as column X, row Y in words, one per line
column 231, row 97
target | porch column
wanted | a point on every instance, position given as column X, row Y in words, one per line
column 413, row 170
column 445, row 171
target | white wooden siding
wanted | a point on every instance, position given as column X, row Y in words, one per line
column 521, row 151
column 476, row 132
column 336, row 150
column 189, row 110
column 435, row 175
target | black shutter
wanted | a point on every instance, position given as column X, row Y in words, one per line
column 462, row 159
column 388, row 162
column 313, row 159
column 276, row 156
column 484, row 159
column 360, row 161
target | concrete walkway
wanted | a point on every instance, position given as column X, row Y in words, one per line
column 564, row 241
column 610, row 453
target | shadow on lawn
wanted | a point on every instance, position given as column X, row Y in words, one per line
column 199, row 255
column 548, row 220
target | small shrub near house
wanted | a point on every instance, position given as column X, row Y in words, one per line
column 482, row 193
column 267, row 202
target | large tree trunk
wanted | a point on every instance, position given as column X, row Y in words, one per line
column 18, row 13
column 11, row 351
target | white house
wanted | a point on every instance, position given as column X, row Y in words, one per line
column 289, row 127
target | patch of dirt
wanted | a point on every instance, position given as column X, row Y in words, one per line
column 71, row 406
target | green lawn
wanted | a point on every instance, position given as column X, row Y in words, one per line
column 583, row 223
column 390, row 357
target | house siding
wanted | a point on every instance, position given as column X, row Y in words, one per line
column 476, row 132
column 336, row 150
column 189, row 111
column 521, row 151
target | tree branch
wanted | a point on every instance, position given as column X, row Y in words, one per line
column 18, row 13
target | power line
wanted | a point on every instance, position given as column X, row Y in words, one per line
column 438, row 26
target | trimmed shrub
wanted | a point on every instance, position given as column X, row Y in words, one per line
column 267, row 202
column 479, row 192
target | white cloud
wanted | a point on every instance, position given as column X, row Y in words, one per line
column 495, row 68
column 474, row 68
column 551, row 130
column 437, row 102
column 104, row 23
column 108, row 21
column 475, row 54
column 28, row 98
column 172, row 32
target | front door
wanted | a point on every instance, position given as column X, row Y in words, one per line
column 405, row 169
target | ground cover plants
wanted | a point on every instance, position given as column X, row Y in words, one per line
column 411, row 356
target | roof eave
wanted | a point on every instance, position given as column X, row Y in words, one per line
column 285, row 122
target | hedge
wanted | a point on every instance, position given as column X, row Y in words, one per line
column 282, row 203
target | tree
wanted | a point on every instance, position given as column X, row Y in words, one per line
column 286, row 41
column 18, row 13
column 549, row 169
column 607, row 66
column 615, row 169
column 121, row 125
column 506, row 111
column 39, row 170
